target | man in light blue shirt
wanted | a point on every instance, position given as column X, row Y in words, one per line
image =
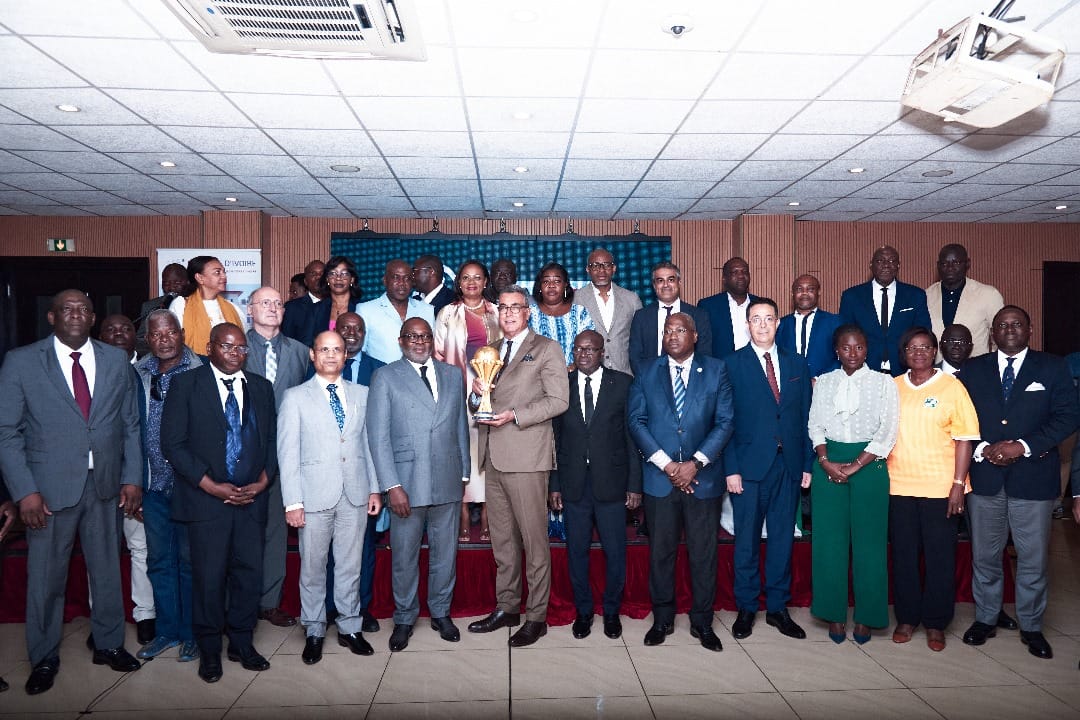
column 384, row 315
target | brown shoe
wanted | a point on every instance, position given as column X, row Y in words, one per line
column 902, row 633
column 529, row 632
column 935, row 640
column 278, row 617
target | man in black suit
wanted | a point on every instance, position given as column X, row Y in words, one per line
column 727, row 309
column 427, row 281
column 218, row 431
column 298, row 322
column 174, row 282
column 647, row 327
column 597, row 478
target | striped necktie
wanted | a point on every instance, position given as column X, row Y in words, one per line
column 680, row 392
column 271, row 362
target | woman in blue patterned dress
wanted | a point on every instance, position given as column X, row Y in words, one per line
column 554, row 314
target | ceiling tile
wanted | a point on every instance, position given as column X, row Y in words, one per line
column 891, row 216
column 788, row 171
column 960, row 217
column 879, row 77
column 717, row 215
column 376, row 202
column 290, row 184
column 800, row 27
column 367, row 167
column 741, row 116
column 12, row 164
column 607, row 169
column 520, row 144
column 362, row 186
column 35, row 137
column 960, row 170
column 631, row 116
column 423, row 144
column 410, row 113
column 898, row 147
column 26, row 66
column 122, row 210
column 129, row 181
column 518, row 188
column 1062, row 151
column 429, row 204
column 508, row 72
column 47, row 210
column 193, row 209
column 717, row 204
column 1018, row 172
column 824, row 188
column 132, row 138
column 805, row 147
column 758, row 76
column 82, row 197
column 290, row 111
column 1058, row 118
column 291, row 201
column 650, row 74
column 423, row 167
column 595, row 188
column 649, row 215
column 660, row 205
column 434, row 77
column 996, row 206
column 186, row 163
column 895, row 190
column 494, row 24
column 636, row 25
column 1040, row 192
column 114, row 62
column 672, row 188
column 835, row 117
column 503, row 168
column 862, row 205
column 616, row 145
column 222, row 184
column 10, row 117
column 22, row 197
column 999, row 148
column 95, row 108
column 781, row 204
column 244, row 200
column 871, row 170
column 43, row 181
column 747, row 188
column 600, row 206
column 241, row 141
column 262, row 73
column 544, row 114
column 711, row 170
column 144, row 197
column 715, row 147
column 834, row 216
column 325, row 143
column 177, row 107
column 504, row 203
column 442, row 188
column 278, row 165
column 110, row 18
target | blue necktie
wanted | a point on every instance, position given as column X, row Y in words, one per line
column 1008, row 378
column 335, row 405
column 680, row 392
column 232, row 437
column 348, row 374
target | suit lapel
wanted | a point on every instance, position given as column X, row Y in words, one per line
column 1028, row 372
column 56, row 375
column 210, row 391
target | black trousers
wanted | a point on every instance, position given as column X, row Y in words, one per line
column 667, row 517
column 610, row 520
column 918, row 528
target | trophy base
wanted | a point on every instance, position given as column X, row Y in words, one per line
column 483, row 415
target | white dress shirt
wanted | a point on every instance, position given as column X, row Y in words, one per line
column 809, row 317
column 339, row 382
column 607, row 307
column 1003, row 362
column 661, row 318
column 89, row 365
column 885, row 362
column 595, row 379
column 430, row 375
column 223, row 392
column 660, row 458
column 739, row 330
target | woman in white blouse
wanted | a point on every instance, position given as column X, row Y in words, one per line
column 207, row 306
column 853, row 425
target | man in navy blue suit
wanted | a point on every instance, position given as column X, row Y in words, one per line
column 727, row 309
column 808, row 331
column 768, row 459
column 646, row 329
column 885, row 309
column 298, row 321
column 680, row 418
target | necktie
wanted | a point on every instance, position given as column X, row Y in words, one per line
column 1008, row 378
column 348, row 374
column 505, row 360
column 770, row 373
column 885, row 310
column 680, row 392
column 802, row 342
column 80, row 386
column 588, row 400
column 335, row 405
column 667, row 309
column 427, row 383
column 271, row 362
column 232, row 436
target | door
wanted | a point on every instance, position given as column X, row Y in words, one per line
column 1061, row 307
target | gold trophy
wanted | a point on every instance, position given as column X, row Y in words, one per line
column 486, row 363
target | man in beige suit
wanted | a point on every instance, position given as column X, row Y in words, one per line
column 611, row 307
column 959, row 299
column 517, row 451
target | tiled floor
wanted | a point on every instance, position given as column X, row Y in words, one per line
column 765, row 676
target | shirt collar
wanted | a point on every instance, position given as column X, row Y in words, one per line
column 878, row 286
column 760, row 352
column 64, row 351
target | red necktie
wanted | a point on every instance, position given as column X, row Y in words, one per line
column 770, row 373
column 80, row 385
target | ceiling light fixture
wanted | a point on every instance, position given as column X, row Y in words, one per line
column 522, row 115
column 1061, row 207
column 344, row 168
column 167, row 164
column 937, row 173
column 794, row 203
column 230, row 199
column 519, row 204
column 521, row 169
column 857, row 170
column 65, row 107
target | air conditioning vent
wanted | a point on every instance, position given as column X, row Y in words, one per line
column 386, row 29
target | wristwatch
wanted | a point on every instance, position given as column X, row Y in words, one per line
column 698, row 464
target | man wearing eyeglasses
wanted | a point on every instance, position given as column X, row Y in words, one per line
column 284, row 362
column 611, row 307
column 517, row 451
column 218, row 432
column 956, row 348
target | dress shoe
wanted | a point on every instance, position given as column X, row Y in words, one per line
column 446, row 628
column 356, row 643
column 978, row 633
column 155, row 647
column 658, row 633
column 90, row 642
column 1006, row 622
column 368, row 623
column 210, row 667
column 249, row 659
column 118, row 659
column 278, row 617
column 312, row 650
column 189, row 651
column 708, row 638
column 782, row 621
column 612, row 626
column 3, row 685
column 744, row 625
column 582, row 626
column 41, row 679
column 399, row 639
column 902, row 633
column 529, row 632
column 935, row 640
column 1037, row 644
column 837, row 632
column 331, row 616
column 145, row 631
column 861, row 633
column 494, row 621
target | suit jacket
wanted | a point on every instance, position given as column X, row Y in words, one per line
column 603, row 447
column 442, row 298
column 1074, row 474
column 534, row 386
column 762, row 424
column 298, row 322
column 975, row 311
column 417, row 443
column 705, row 426
column 820, row 355
column 643, row 337
column 161, row 302
column 193, row 432
column 723, row 333
column 320, row 318
column 318, row 462
column 45, row 441
column 616, row 337
column 1041, row 410
column 292, row 363
column 857, row 306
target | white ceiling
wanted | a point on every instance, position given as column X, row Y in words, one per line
column 760, row 105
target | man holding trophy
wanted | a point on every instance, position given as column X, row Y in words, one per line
column 520, row 386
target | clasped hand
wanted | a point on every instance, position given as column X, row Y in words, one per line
column 683, row 476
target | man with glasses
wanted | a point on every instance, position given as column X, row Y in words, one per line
column 218, row 432
column 419, row 437
column 647, row 327
column 516, row 451
column 956, row 298
column 384, row 315
column 611, row 308
column 956, row 346
column 427, row 280
column 284, row 362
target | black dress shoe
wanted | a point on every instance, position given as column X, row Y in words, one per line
column 249, row 659
column 399, row 639
column 782, row 621
column 530, row 632
column 612, row 626
column 277, row 617
column 145, row 630
column 3, row 685
column 494, row 621
column 42, row 678
column 210, row 666
column 90, row 642
column 368, row 623
column 582, row 626
column 356, row 643
column 658, row 633
column 118, row 659
column 978, row 633
column 1006, row 622
column 708, row 638
column 744, row 625
column 312, row 650
column 446, row 628
column 1037, row 644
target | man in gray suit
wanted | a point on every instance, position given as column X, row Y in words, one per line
column 329, row 489
column 611, row 307
column 419, row 437
column 70, row 454
column 284, row 362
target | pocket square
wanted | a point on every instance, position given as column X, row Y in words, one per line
column 905, row 309
column 527, row 358
column 1034, row 387
column 798, row 378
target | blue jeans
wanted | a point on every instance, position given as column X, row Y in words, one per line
column 168, row 566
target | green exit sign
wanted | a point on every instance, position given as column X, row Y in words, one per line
column 61, row 245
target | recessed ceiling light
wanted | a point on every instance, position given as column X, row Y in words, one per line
column 67, row 108
column 344, row 168
column 167, row 163
column 522, row 115
column 524, row 16
column 519, row 204
column 937, row 173
column 857, row 170
column 794, row 203
column 1061, row 207
column 230, row 199
column 521, row 169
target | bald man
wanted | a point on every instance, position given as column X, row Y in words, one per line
column 808, row 331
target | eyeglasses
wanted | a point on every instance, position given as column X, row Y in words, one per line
column 758, row 320
column 339, row 274
column 416, row 337
column 327, row 350
column 270, row 304
column 957, row 343
column 229, row 347
column 512, row 309
column 675, row 331
column 155, row 387
column 471, row 278
column 579, row 350
column 919, row 348
column 600, row 266
column 1014, row 325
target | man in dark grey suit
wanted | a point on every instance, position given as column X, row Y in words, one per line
column 69, row 448
column 419, row 437
column 611, row 307
column 284, row 362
